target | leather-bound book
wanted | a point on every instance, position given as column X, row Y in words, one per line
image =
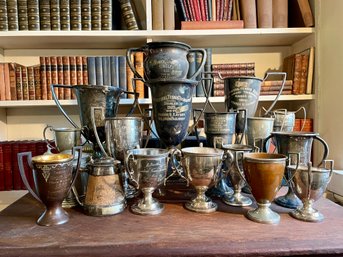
column 2, row 170
column 297, row 74
column 304, row 72
column 139, row 59
column 19, row 85
column 264, row 13
column 280, row 13
column 55, row 15
column 73, row 74
column 54, row 72
column 48, row 76
column 85, row 70
column 79, row 72
column 106, row 14
column 44, row 85
column 3, row 16
column 33, row 14
column 310, row 71
column 96, row 14
column 86, row 16
column 22, row 15
column 12, row 15
column 75, row 15
column 300, row 14
column 60, row 77
column 31, row 82
column 7, row 156
column 24, row 82
column 7, row 85
column 248, row 12
column 66, row 77
column 65, row 14
column 128, row 15
column 2, row 82
column 12, row 80
column 15, row 167
column 38, row 88
column 44, row 14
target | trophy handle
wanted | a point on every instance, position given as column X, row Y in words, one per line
column 95, row 130
column 135, row 102
column 22, row 172
column 177, row 169
column 196, row 126
column 129, row 52
column 304, row 119
column 46, row 140
column 284, row 76
column 240, row 172
column 326, row 148
column 79, row 156
column 244, row 111
column 331, row 162
column 203, row 60
column 219, row 141
column 128, row 158
column 310, row 179
column 289, row 180
column 208, row 91
column 264, row 142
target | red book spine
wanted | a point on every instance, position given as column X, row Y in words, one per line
column 41, row 147
column 23, row 147
column 2, row 170
column 7, row 148
column 202, row 9
column 206, row 10
column 15, row 168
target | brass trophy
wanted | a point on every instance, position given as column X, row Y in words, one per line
column 54, row 177
column 309, row 184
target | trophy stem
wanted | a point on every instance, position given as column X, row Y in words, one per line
column 53, row 215
column 237, row 199
column 147, row 205
column 201, row 203
column 263, row 214
column 289, row 200
column 307, row 212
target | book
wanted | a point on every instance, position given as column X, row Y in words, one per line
column 60, row 77
column 79, row 72
column 303, row 76
column 44, row 14
column 106, row 14
column 2, row 82
column 192, row 25
column 7, row 82
column 33, row 14
column 23, row 21
column 168, row 15
column 181, row 11
column 55, row 15
column 19, row 86
column 280, row 13
column 114, row 70
column 207, row 69
column 12, row 15
column 7, row 157
column 214, row 10
column 248, row 9
column 275, row 83
column 2, row 170
column 106, row 67
column 3, row 16
column 31, row 82
column 264, row 13
column 99, row 71
column 72, row 74
column 157, row 14
column 24, row 82
column 64, row 15
column 48, row 77
column 122, row 73
column 129, row 77
column 233, row 66
column 12, row 79
column 75, row 14
column 297, row 74
column 54, row 73
column 128, row 15
column 139, row 58
column 91, row 70
column 38, row 88
column 275, row 92
column 15, row 167
column 300, row 14
column 276, row 88
column 85, row 70
column 86, row 16
column 96, row 14
column 66, row 77
column 310, row 71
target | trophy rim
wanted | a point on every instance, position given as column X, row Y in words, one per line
column 142, row 152
column 65, row 129
column 260, row 118
column 265, row 157
column 294, row 133
column 211, row 151
column 237, row 147
column 52, row 158
column 167, row 43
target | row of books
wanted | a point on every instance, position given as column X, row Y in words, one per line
column 10, row 178
column 18, row 82
column 67, row 15
column 163, row 15
column 236, row 14
column 305, row 124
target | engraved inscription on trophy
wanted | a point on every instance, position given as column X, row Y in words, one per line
column 243, row 95
column 172, row 108
column 167, row 67
column 219, row 124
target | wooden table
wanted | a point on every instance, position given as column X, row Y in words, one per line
column 176, row 232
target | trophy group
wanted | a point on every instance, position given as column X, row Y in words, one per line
column 102, row 166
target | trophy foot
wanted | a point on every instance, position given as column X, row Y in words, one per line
column 151, row 208
column 263, row 214
column 202, row 207
column 307, row 213
column 290, row 200
column 53, row 216
column 237, row 199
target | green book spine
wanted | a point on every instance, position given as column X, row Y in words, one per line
column 33, row 14
column 106, row 14
column 65, row 15
column 44, row 14
column 75, row 14
column 22, row 15
column 96, row 14
column 55, row 15
column 12, row 15
column 86, row 15
column 128, row 15
column 3, row 16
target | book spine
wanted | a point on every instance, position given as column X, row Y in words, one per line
column 274, row 83
column 239, row 72
column 7, row 82
column 207, row 68
column 280, row 13
column 33, row 14
column 38, row 88
column 196, row 7
column 221, row 10
column 2, row 170
column 202, row 9
column 130, row 76
column 122, row 73
column 303, row 76
column 31, row 82
column 190, row 25
column 233, row 66
column 271, row 92
column 66, row 77
column 310, row 71
column 106, row 70
column 19, row 84
column 248, row 9
column 75, row 15
column 157, row 14
column 84, row 70
column 181, row 10
column 3, row 16
column 297, row 74
column 139, row 58
column 54, row 72
column 15, row 167
column 128, row 15
column 218, row 10
column 168, row 15
column 44, row 14
column 218, row 92
column 73, row 74
column 55, row 15
column 60, row 77
column 64, row 14
column 264, row 13
column 99, row 71
column 208, row 3
column 214, row 10
column 7, row 154
column 2, row 82
column 48, row 77
column 306, row 13
column 86, row 22
column 79, row 73
column 96, row 14
column 12, row 15
column 24, row 80
column 13, row 83
column 189, row 5
column 106, row 14
column 91, row 70
column 44, row 85
column 114, row 63
column 22, row 15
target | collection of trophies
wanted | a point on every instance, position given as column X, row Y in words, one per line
column 117, row 168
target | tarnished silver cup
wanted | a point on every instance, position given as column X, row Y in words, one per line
column 258, row 129
column 309, row 184
column 202, row 166
column 147, row 169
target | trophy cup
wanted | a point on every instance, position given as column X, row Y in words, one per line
column 309, row 184
column 53, row 176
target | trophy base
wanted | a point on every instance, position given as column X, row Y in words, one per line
column 201, row 206
column 237, row 199
column 104, row 210
column 263, row 214
column 53, row 216
column 307, row 215
column 142, row 208
column 290, row 200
